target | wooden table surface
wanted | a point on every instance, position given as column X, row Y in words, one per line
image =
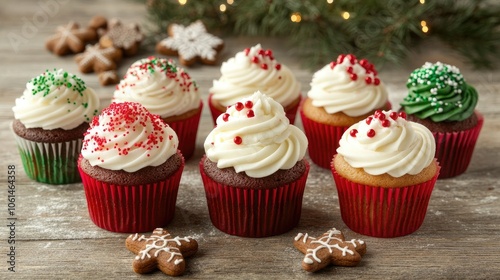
column 56, row 239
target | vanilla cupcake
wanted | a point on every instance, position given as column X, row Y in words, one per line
column 384, row 173
column 254, row 69
column 342, row 93
column 131, row 169
column 166, row 90
column 49, row 121
column 254, row 171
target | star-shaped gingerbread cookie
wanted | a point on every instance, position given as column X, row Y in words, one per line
column 160, row 251
column 98, row 59
column 70, row 39
column 329, row 248
column 192, row 43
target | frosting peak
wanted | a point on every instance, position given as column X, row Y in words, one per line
column 438, row 91
column 158, row 84
column 255, row 69
column 348, row 85
column 254, row 136
column 387, row 143
column 126, row 136
column 56, row 99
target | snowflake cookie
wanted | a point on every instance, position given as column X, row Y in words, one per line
column 160, row 251
column 127, row 37
column 191, row 44
column 330, row 248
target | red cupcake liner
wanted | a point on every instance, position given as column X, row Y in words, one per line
column 122, row 208
column 454, row 149
column 383, row 212
column 323, row 140
column 186, row 131
column 254, row 212
column 290, row 113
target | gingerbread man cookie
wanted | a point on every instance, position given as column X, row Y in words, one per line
column 161, row 251
column 98, row 59
column 191, row 44
column 70, row 39
column 330, row 248
column 126, row 37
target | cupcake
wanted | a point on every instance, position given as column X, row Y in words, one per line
column 49, row 121
column 342, row 93
column 384, row 172
column 130, row 168
column 254, row 69
column 254, row 171
column 440, row 99
column 165, row 90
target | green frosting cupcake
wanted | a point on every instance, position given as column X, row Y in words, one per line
column 439, row 92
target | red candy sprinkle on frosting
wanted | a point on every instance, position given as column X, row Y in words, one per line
column 123, row 118
column 238, row 140
column 262, row 58
column 367, row 66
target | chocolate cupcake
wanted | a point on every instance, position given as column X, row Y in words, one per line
column 440, row 99
column 254, row 171
column 131, row 169
column 50, row 119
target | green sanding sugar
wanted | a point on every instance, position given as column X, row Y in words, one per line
column 45, row 82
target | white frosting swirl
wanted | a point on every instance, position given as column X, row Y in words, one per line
column 268, row 141
column 126, row 136
column 337, row 90
column 158, row 84
column 56, row 99
column 251, row 70
column 401, row 147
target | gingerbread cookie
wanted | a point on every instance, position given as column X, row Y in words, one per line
column 330, row 248
column 109, row 77
column 70, row 39
column 160, row 251
column 99, row 24
column 126, row 37
column 191, row 44
column 98, row 59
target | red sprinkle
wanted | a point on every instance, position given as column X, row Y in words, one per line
column 369, row 120
column 255, row 59
column 269, row 53
column 239, row 106
column 249, row 104
column 278, row 66
column 351, row 58
column 225, row 117
column 368, row 80
column 237, row 140
column 263, row 66
column 403, row 115
column 350, row 69
column 354, row 77
column 393, row 115
column 333, row 64
column 247, row 51
column 250, row 114
column 340, row 58
column 376, row 81
column 370, row 133
column 381, row 117
column 386, row 123
column 353, row 132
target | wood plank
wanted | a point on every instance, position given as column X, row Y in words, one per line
column 56, row 239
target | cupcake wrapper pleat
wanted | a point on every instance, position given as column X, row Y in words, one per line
column 383, row 212
column 323, row 140
column 254, row 212
column 120, row 208
column 454, row 149
column 186, row 131
column 51, row 163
